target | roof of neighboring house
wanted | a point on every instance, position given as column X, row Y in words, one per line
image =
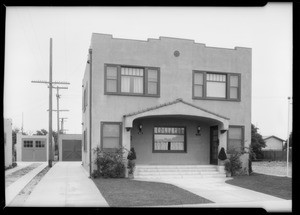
column 268, row 137
column 170, row 103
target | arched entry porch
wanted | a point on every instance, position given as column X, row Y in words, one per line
column 169, row 134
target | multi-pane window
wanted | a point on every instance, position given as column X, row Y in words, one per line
column 129, row 80
column 111, row 135
column 169, row 139
column 215, row 85
column 235, row 138
column 39, row 144
column 234, row 87
column 152, row 81
column 132, row 80
column 111, row 79
column 28, row 143
column 208, row 85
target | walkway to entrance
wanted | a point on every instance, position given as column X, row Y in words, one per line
column 226, row 195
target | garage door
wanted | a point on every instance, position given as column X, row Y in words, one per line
column 71, row 150
column 34, row 150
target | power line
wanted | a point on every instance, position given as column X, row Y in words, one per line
column 50, row 82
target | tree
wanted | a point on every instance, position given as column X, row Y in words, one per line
column 41, row 132
column 257, row 143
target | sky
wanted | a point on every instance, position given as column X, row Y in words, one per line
column 267, row 30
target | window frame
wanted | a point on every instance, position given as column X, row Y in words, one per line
column 145, row 80
column 169, row 151
column 25, row 144
column 243, row 135
column 101, row 133
column 227, row 87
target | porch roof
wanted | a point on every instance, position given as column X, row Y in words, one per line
column 180, row 107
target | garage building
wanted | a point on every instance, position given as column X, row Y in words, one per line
column 70, row 147
column 32, row 148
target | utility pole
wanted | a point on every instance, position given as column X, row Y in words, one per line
column 62, row 124
column 288, row 140
column 50, row 82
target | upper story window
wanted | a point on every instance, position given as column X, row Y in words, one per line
column 131, row 80
column 219, row 86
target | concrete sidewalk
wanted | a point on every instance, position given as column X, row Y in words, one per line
column 226, row 195
column 66, row 184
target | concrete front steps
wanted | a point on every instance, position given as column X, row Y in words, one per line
column 177, row 171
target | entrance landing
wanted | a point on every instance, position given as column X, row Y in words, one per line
column 177, row 171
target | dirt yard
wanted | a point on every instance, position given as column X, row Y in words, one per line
column 277, row 168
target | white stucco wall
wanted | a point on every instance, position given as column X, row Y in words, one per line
column 175, row 79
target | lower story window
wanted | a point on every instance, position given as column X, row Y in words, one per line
column 111, row 135
column 235, row 139
column 169, row 139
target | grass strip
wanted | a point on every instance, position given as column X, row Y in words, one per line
column 130, row 193
column 272, row 185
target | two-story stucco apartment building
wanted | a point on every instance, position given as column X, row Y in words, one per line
column 175, row 101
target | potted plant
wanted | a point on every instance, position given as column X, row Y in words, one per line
column 228, row 168
column 131, row 162
column 222, row 157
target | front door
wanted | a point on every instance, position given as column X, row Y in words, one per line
column 214, row 143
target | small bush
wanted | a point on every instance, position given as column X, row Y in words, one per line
column 235, row 164
column 109, row 164
column 131, row 166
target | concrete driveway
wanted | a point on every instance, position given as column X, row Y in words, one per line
column 226, row 195
column 66, row 184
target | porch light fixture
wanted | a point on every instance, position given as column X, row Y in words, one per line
column 128, row 128
column 198, row 131
column 140, row 129
column 223, row 131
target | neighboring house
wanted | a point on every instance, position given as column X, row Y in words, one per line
column 175, row 101
column 273, row 143
column 8, row 144
column 32, row 147
column 70, row 147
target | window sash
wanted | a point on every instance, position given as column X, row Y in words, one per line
column 235, row 138
column 216, row 86
column 110, row 135
column 132, row 81
column 169, row 139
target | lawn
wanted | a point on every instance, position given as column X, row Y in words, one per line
column 130, row 193
column 272, row 185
